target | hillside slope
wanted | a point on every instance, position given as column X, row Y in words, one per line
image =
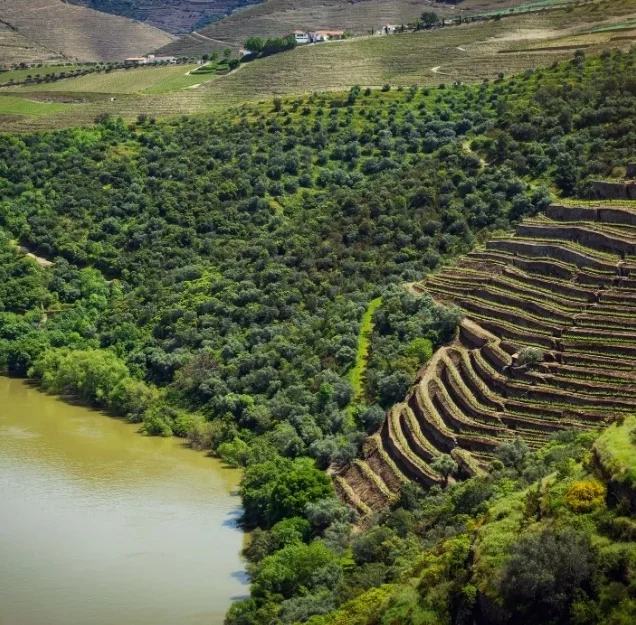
column 563, row 284
column 80, row 33
column 468, row 53
column 279, row 17
column 15, row 48
column 174, row 16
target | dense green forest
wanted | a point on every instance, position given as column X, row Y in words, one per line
column 210, row 278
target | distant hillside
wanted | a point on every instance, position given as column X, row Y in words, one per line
column 174, row 16
column 79, row 33
column 15, row 48
column 279, row 17
column 467, row 53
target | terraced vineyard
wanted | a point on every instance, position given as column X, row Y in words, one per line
column 564, row 283
column 58, row 29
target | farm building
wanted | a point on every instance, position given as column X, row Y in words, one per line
column 301, row 37
column 326, row 35
column 150, row 59
column 135, row 60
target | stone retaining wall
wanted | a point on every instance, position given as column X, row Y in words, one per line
column 605, row 190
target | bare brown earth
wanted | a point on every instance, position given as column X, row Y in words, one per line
column 564, row 283
column 79, row 33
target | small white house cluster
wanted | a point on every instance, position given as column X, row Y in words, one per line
column 150, row 59
column 317, row 36
column 303, row 37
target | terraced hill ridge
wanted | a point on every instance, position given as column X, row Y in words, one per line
column 270, row 18
column 75, row 32
column 564, row 283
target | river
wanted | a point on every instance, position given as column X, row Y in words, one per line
column 102, row 526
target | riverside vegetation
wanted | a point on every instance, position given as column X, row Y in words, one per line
column 210, row 279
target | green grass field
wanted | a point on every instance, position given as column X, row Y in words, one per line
column 138, row 80
column 362, row 355
column 10, row 105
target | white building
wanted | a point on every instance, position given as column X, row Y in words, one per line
column 326, row 35
column 151, row 58
column 301, row 37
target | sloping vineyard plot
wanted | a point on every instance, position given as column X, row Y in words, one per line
column 564, row 283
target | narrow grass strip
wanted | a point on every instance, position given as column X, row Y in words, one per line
column 356, row 376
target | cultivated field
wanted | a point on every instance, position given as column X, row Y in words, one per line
column 564, row 284
column 79, row 33
column 20, row 75
column 280, row 17
column 15, row 48
column 136, row 80
column 469, row 53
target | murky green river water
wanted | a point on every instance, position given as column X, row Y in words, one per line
column 102, row 526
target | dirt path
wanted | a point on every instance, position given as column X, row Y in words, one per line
column 194, row 33
column 436, row 70
column 43, row 262
column 466, row 146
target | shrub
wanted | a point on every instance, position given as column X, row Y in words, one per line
column 234, row 453
column 321, row 514
column 529, row 356
column 131, row 398
column 621, row 528
column 294, row 489
column 379, row 544
column 584, row 496
column 200, row 435
column 290, row 569
column 371, row 418
column 513, row 454
column 420, row 348
column 544, row 574
column 289, row 532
